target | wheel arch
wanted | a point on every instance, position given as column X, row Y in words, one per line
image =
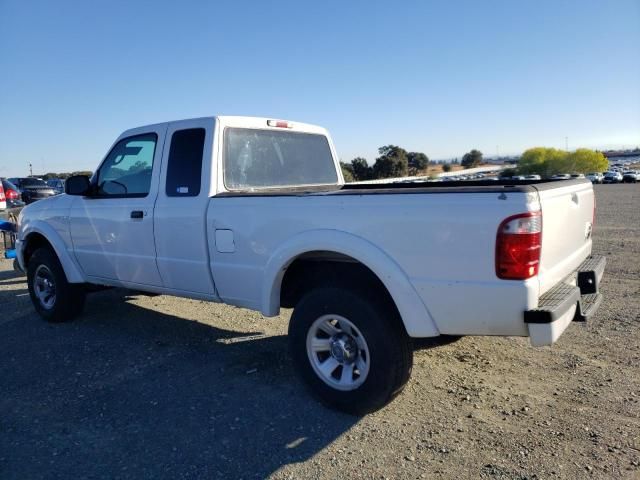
column 347, row 247
column 42, row 235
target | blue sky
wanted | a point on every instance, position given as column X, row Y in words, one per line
column 439, row 77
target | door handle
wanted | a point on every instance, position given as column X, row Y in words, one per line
column 137, row 214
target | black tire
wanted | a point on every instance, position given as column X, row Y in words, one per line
column 389, row 347
column 68, row 298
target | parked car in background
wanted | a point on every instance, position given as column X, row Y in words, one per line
column 32, row 188
column 3, row 201
column 532, row 177
column 14, row 201
column 561, row 176
column 12, row 194
column 631, row 176
column 57, row 184
column 612, row 177
column 595, row 177
column 577, row 175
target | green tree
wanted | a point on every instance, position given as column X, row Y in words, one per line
column 347, row 172
column 551, row 161
column 584, row 160
column 417, row 161
column 392, row 162
column 361, row 169
column 472, row 159
column 508, row 172
column 542, row 161
column 446, row 167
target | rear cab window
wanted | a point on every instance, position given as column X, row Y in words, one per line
column 256, row 159
column 184, row 169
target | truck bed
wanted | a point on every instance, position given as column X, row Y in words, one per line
column 461, row 186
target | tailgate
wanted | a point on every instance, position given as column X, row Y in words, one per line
column 567, row 216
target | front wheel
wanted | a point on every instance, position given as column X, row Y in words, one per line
column 54, row 298
column 350, row 348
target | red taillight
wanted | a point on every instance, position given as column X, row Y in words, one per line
column 11, row 194
column 518, row 245
column 2, row 197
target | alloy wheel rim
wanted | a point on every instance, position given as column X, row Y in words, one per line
column 44, row 287
column 338, row 352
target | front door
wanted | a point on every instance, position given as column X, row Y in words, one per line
column 112, row 229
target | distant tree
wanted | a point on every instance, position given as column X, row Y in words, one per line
column 63, row 175
column 392, row 162
column 550, row 161
column 542, row 161
column 508, row 172
column 361, row 169
column 446, row 167
column 347, row 172
column 417, row 162
column 138, row 166
column 472, row 159
column 584, row 160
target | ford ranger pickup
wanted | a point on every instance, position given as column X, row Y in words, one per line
column 254, row 212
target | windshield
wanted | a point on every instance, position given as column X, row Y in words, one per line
column 8, row 185
column 255, row 159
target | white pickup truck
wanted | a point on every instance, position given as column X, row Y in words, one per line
column 254, row 212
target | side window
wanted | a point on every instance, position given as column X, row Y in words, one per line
column 184, row 168
column 127, row 170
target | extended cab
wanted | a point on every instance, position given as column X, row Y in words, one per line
column 255, row 213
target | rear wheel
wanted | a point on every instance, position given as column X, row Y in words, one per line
column 350, row 348
column 54, row 298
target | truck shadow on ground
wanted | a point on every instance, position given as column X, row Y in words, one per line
column 11, row 274
column 127, row 392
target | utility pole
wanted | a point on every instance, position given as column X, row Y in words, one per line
column 30, row 170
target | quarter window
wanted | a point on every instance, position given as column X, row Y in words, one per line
column 184, row 170
column 126, row 172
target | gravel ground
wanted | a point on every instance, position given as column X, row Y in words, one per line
column 160, row 387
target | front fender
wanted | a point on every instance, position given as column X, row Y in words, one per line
column 69, row 265
column 415, row 315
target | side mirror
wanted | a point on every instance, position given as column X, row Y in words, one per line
column 77, row 185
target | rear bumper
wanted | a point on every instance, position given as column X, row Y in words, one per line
column 574, row 299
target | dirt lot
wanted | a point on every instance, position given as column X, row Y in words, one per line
column 159, row 387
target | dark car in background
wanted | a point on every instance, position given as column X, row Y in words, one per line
column 32, row 188
column 612, row 177
column 631, row 176
column 12, row 194
column 57, row 184
column 13, row 197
